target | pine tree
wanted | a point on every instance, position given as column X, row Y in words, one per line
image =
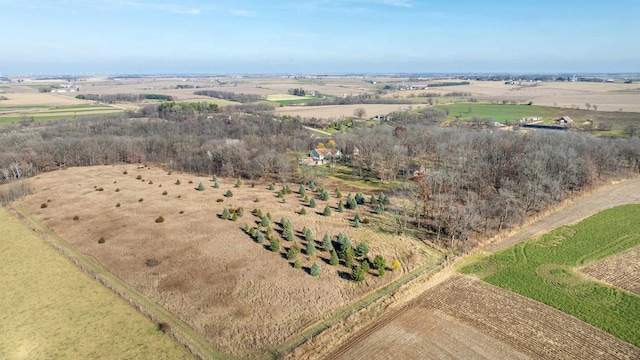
column 302, row 191
column 326, row 242
column 362, row 249
column 327, row 211
column 340, row 206
column 312, row 203
column 338, row 193
column 356, row 223
column 297, row 264
column 259, row 236
column 324, row 195
column 358, row 273
column 315, row 269
column 238, row 183
column 293, row 252
column 360, row 198
column 306, row 198
column 311, row 248
column 333, row 260
column 200, row 187
column 308, row 235
column 275, row 245
column 373, row 199
column 225, row 214
column 178, row 182
column 215, row 178
column 380, row 263
column 265, row 221
column 272, row 187
column 216, row 185
column 288, row 234
column 234, row 217
column 228, row 194
column 303, row 211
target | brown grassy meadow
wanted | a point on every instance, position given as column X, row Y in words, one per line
column 242, row 297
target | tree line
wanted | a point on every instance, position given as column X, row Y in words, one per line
column 119, row 98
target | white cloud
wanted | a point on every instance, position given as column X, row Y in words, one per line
column 243, row 13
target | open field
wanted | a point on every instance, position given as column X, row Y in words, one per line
column 543, row 269
column 245, row 299
column 52, row 310
column 501, row 113
column 463, row 318
column 622, row 270
column 342, row 111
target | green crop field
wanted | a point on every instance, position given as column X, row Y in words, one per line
column 501, row 113
column 543, row 269
column 52, row 310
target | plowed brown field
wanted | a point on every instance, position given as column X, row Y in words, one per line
column 464, row 318
column 622, row 270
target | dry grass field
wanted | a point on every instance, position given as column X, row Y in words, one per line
column 243, row 298
column 342, row 111
column 622, row 270
column 52, row 310
column 464, row 318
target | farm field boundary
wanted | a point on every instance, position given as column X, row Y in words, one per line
column 178, row 330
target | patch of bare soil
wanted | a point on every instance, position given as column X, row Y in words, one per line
column 464, row 318
column 244, row 298
column 622, row 270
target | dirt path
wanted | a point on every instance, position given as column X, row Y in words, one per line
column 605, row 197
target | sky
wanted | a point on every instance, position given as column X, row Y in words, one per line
column 78, row 37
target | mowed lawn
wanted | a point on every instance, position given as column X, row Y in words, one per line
column 544, row 269
column 499, row 112
column 49, row 309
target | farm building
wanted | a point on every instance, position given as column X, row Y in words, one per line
column 322, row 154
column 564, row 120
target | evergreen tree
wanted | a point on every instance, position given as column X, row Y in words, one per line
column 338, row 193
column 215, row 178
column 360, row 198
column 293, row 252
column 178, row 182
column 225, row 214
column 302, row 191
column 340, row 206
column 351, row 202
column 312, row 203
column 380, row 263
column 333, row 260
column 357, row 217
column 228, row 194
column 303, row 211
column 358, row 273
column 297, row 264
column 216, row 185
column 200, row 187
column 324, row 195
column 238, row 183
column 315, row 269
column 327, row 211
column 234, row 217
column 272, row 187
column 275, row 245
column 373, row 199
column 265, row 221
column 362, row 249
column 259, row 236
column 311, row 248
column 378, row 209
column 326, row 242
column 308, row 235
column 356, row 223
column 306, row 198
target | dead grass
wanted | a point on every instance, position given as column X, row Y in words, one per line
column 51, row 310
column 243, row 298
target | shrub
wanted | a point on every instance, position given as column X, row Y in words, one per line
column 280, row 194
column 152, row 262
column 190, row 181
column 99, row 189
column 380, row 263
column 327, row 211
column 395, row 266
column 150, row 182
column 219, row 200
column 312, row 203
column 238, row 183
column 284, row 200
column 181, row 212
column 200, row 187
column 139, row 177
column 297, row 264
column 43, row 206
column 76, row 217
column 225, row 214
column 140, row 200
column 179, row 196
column 169, row 172
column 333, row 260
column 365, row 220
column 177, row 182
column 164, row 193
column 240, row 212
column 256, row 200
column 118, row 205
column 228, row 194
column 272, row 186
column 315, row 269
column 125, row 172
column 160, row 219
column 303, row 211
column 275, row 245
column 117, row 189
column 101, row 240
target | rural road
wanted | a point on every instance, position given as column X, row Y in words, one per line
column 620, row 193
